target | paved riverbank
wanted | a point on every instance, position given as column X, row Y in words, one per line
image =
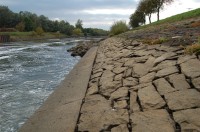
column 137, row 87
column 60, row 111
column 141, row 81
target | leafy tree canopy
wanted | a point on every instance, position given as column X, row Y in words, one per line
column 27, row 21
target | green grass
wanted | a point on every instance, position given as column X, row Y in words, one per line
column 16, row 33
column 175, row 18
column 26, row 36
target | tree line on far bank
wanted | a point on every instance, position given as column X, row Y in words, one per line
column 25, row 21
column 144, row 9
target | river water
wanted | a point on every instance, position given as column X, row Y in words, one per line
column 29, row 72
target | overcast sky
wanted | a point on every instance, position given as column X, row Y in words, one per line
column 94, row 13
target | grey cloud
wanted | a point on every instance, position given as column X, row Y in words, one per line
column 73, row 4
column 71, row 10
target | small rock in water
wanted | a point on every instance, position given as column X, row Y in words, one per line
column 82, row 48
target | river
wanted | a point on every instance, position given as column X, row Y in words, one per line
column 29, row 72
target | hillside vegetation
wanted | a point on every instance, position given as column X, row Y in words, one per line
column 179, row 17
column 180, row 30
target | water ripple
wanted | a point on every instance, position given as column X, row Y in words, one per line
column 28, row 75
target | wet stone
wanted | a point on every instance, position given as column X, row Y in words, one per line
column 140, row 51
column 108, row 87
column 130, row 82
column 140, row 69
column 196, row 83
column 119, row 70
column 158, row 53
column 189, row 120
column 164, row 57
column 129, row 63
column 150, row 61
column 94, row 81
column 134, row 106
column 92, row 90
column 167, row 71
column 122, row 104
column 118, row 67
column 96, row 75
column 97, row 121
column 95, row 103
column 150, row 98
column 183, row 99
column 179, row 81
column 106, row 76
column 164, row 64
column 191, row 68
column 120, row 128
column 118, row 77
column 185, row 58
column 147, row 78
column 97, row 70
column 140, row 86
column 180, row 52
column 128, row 73
column 163, row 86
column 108, row 67
column 123, row 98
column 121, row 92
column 152, row 120
column 141, row 59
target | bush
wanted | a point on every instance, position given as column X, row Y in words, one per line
column 20, row 26
column 33, row 34
column 118, row 27
column 39, row 31
column 155, row 41
column 57, row 34
column 77, row 32
column 194, row 48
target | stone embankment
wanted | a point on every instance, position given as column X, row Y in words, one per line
column 82, row 48
column 141, row 88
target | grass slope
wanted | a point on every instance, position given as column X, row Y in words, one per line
column 175, row 18
column 179, row 30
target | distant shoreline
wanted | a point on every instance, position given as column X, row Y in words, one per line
column 51, row 39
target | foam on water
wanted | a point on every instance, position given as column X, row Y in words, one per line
column 28, row 75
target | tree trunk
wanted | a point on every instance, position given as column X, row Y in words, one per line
column 150, row 18
column 158, row 14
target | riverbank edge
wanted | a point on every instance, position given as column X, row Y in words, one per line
column 60, row 111
column 43, row 38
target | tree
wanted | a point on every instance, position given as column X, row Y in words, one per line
column 27, row 21
column 5, row 16
column 43, row 22
column 20, row 26
column 94, row 32
column 39, row 31
column 79, row 24
column 77, row 32
column 159, row 4
column 147, row 7
column 28, row 24
column 137, row 19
